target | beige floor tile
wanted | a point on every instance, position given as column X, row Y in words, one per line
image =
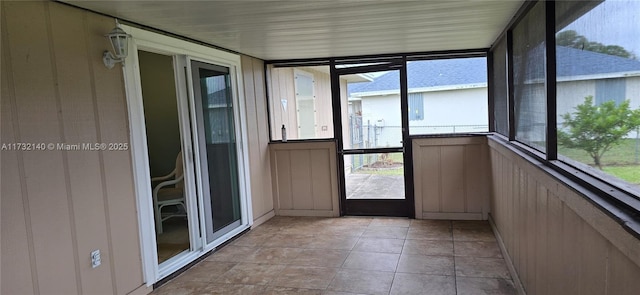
column 429, row 233
column 307, row 277
column 232, row 253
column 399, row 222
column 352, row 255
column 273, row 255
column 386, row 232
column 302, row 229
column 372, row 261
column 233, row 289
column 288, row 241
column 250, row 274
column 181, row 288
column 423, row 264
column 321, row 257
column 275, row 290
column 473, row 234
column 333, row 242
column 362, row 282
column 428, row 247
column 268, row 228
column 478, row 249
column 351, row 221
column 423, row 284
column 251, row 239
column 342, row 230
column 205, row 271
column 471, row 224
column 379, row 245
column 428, row 223
column 340, row 293
column 482, row 286
column 482, row 267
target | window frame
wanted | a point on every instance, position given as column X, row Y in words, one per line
column 373, row 61
column 621, row 204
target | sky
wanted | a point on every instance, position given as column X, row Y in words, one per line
column 613, row 22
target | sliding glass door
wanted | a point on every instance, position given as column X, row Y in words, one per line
column 217, row 147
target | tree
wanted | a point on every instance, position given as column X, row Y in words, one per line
column 596, row 129
column 571, row 38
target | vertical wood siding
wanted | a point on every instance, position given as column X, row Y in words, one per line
column 451, row 178
column 258, row 136
column 305, row 180
column 58, row 206
column 558, row 241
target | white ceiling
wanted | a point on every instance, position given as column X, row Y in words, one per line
column 310, row 29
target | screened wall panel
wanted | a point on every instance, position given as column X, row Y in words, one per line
column 500, row 88
column 447, row 96
column 598, row 88
column 300, row 100
column 528, row 76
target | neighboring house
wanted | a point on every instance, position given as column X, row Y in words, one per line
column 450, row 95
column 437, row 89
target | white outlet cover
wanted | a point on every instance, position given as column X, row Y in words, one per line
column 95, row 259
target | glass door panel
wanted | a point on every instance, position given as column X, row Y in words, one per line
column 218, row 148
column 170, row 186
column 372, row 141
column 374, row 116
column 375, row 176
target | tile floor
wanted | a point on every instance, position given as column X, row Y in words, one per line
column 353, row 255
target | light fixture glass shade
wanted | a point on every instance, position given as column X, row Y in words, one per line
column 118, row 39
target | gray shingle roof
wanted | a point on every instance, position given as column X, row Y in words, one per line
column 444, row 72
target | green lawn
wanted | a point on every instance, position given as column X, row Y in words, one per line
column 630, row 173
column 622, row 154
column 620, row 161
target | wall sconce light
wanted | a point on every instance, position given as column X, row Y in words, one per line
column 119, row 42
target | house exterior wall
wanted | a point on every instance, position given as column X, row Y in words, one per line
column 572, row 93
column 442, row 111
column 557, row 240
column 453, row 107
column 58, row 206
column 633, row 91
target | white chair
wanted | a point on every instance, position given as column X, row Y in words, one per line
column 170, row 192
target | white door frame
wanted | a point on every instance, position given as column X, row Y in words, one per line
column 183, row 52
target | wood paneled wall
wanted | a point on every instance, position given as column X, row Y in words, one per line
column 258, row 136
column 58, row 206
column 305, row 178
column 451, row 177
column 558, row 241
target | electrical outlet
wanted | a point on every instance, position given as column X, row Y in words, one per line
column 95, row 259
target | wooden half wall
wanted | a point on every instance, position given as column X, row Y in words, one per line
column 305, row 178
column 451, row 178
column 558, row 242
column 59, row 204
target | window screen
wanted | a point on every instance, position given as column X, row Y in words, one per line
column 528, row 76
column 500, row 88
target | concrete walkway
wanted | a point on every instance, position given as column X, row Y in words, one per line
column 372, row 186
